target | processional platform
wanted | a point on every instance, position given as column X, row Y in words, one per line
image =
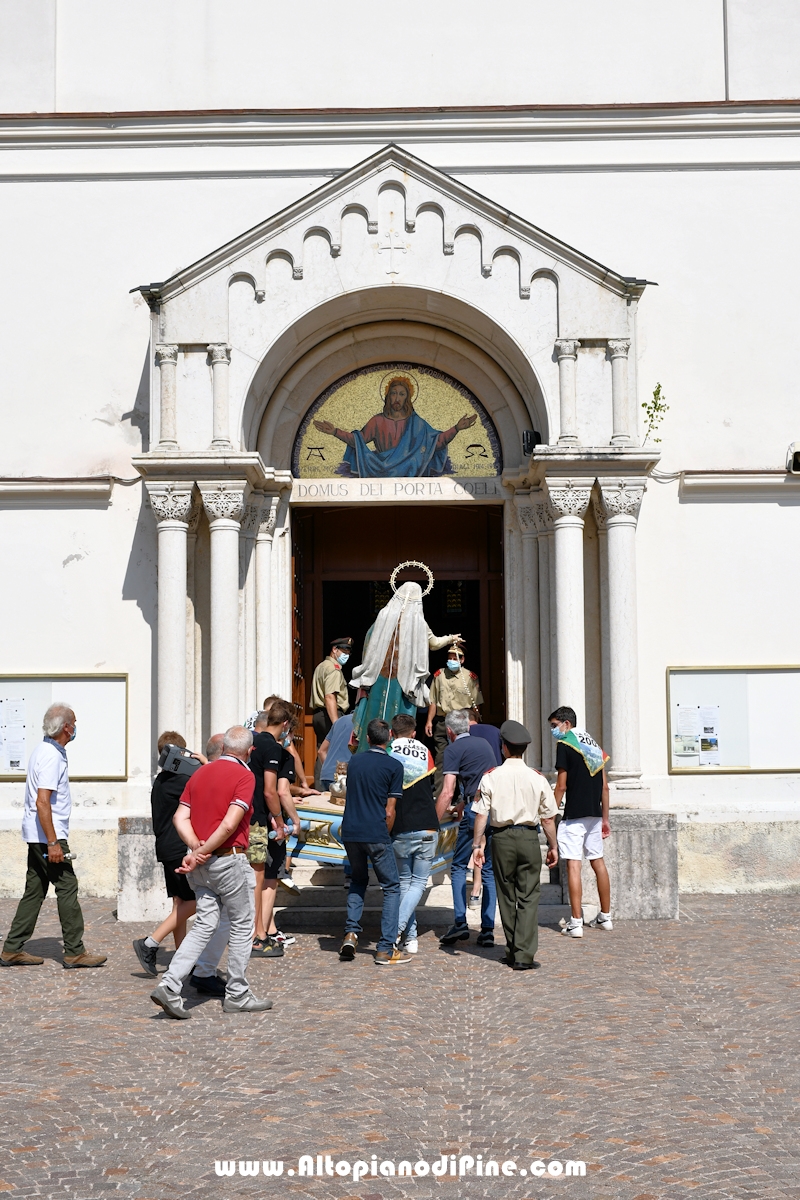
column 320, row 835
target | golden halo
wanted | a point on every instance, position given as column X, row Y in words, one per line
column 412, row 562
column 407, row 377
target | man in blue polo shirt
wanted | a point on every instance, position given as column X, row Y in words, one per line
column 466, row 761
column 374, row 785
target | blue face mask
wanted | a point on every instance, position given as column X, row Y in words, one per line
column 74, row 733
column 343, row 658
column 453, row 664
column 557, row 733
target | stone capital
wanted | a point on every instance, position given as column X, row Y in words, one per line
column 526, row 516
column 599, row 513
column 619, row 347
column 166, row 354
column 568, row 497
column 544, row 516
column 622, row 497
column 567, row 347
column 170, row 501
column 269, row 518
column 224, row 500
column 220, row 352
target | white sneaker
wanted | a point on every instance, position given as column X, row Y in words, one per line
column 411, row 946
column 573, row 928
column 285, row 939
column 602, row 921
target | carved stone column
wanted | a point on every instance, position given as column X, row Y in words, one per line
column 544, row 526
column 167, row 362
column 568, row 501
column 618, row 353
column 264, row 664
column 529, row 609
column 171, row 505
column 220, row 367
column 248, row 701
column 224, row 505
column 194, row 705
column 622, row 499
column 567, row 352
column 605, row 674
column 514, row 612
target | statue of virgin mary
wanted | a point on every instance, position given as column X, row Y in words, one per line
column 392, row 676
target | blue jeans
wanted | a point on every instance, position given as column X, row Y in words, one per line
column 414, row 853
column 458, row 875
column 385, row 866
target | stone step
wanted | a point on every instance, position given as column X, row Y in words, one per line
column 429, row 917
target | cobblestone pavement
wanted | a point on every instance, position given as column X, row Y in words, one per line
column 663, row 1055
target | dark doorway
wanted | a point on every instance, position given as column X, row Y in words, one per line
column 343, row 558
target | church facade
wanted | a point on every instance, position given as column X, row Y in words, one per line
column 205, row 480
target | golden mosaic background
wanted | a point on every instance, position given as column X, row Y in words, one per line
column 441, row 401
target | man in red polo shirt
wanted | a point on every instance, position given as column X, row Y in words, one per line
column 213, row 820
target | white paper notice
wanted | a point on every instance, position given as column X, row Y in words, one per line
column 688, row 720
column 14, row 734
column 709, row 736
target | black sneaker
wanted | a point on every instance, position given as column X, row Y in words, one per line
column 486, row 939
column 207, row 985
column 146, row 955
column 456, row 933
column 272, row 948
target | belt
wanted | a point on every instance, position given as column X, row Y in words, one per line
column 229, row 850
column 500, row 828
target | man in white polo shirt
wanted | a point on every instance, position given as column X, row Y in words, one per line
column 45, row 827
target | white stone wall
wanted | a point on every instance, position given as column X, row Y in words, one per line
column 83, row 56
column 701, row 200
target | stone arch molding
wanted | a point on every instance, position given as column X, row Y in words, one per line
column 390, row 240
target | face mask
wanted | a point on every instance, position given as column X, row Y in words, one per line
column 453, row 664
column 557, row 733
column 285, row 739
column 74, row 733
column 343, row 658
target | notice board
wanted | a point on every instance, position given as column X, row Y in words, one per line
column 733, row 719
column 100, row 703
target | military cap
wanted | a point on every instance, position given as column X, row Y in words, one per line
column 515, row 734
column 345, row 643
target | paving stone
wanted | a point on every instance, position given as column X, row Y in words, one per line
column 663, row 1055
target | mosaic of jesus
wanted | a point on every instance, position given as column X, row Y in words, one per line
column 399, row 440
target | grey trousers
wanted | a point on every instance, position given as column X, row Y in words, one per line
column 223, row 885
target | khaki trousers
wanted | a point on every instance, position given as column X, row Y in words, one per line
column 517, row 862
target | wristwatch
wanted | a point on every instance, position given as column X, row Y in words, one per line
column 55, row 843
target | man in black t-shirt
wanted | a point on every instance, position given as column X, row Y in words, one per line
column 580, row 764
column 273, row 768
column 415, row 833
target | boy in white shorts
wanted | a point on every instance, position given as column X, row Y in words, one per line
column 580, row 764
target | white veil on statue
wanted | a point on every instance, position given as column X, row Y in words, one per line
column 400, row 623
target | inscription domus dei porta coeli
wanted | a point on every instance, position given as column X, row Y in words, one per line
column 396, row 420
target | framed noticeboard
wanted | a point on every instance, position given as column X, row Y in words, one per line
column 100, row 703
column 730, row 720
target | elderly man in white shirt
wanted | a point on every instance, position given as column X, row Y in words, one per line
column 45, row 827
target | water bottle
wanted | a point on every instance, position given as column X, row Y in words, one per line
column 69, row 857
column 289, row 829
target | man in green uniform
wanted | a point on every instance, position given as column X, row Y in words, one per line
column 514, row 799
column 453, row 688
column 329, row 699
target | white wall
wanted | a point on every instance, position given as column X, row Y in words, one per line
column 88, row 55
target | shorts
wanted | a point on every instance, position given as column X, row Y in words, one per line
column 177, row 885
column 582, row 835
column 266, row 850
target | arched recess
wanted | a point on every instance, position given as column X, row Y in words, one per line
column 380, row 324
